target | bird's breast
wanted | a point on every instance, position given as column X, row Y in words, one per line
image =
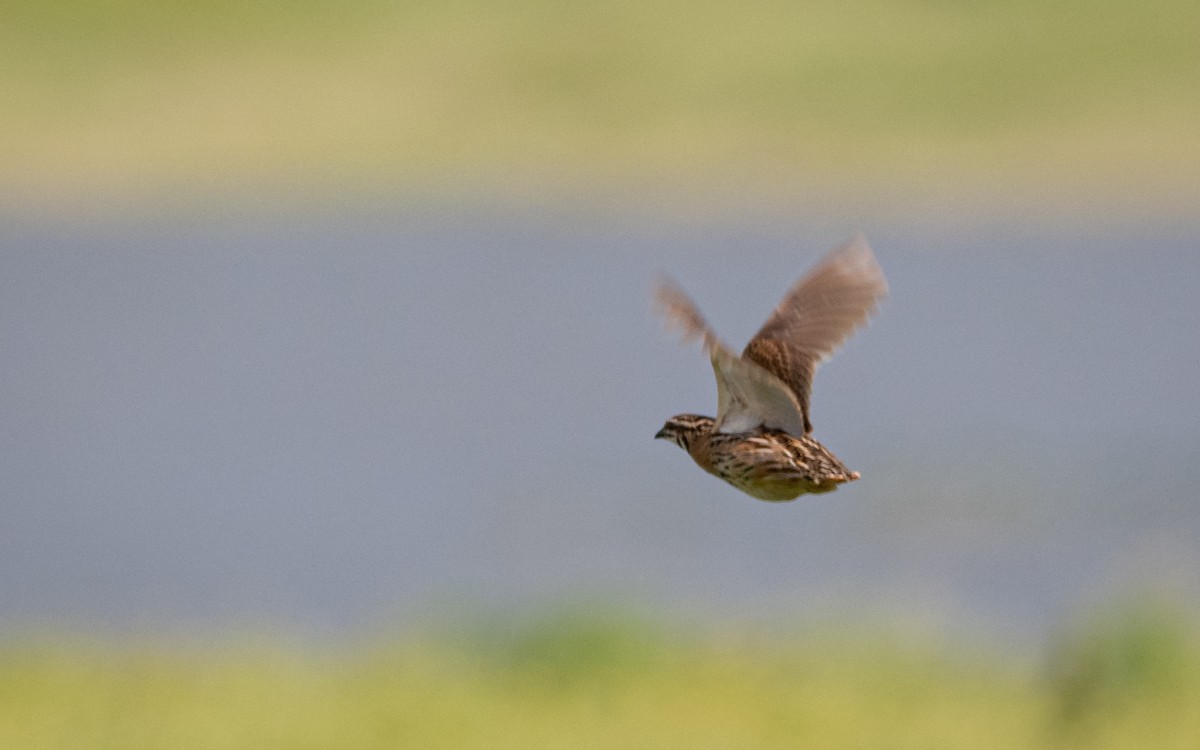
column 769, row 465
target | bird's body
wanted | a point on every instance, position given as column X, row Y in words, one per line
column 760, row 441
column 767, row 464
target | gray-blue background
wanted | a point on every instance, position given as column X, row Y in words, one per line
column 324, row 424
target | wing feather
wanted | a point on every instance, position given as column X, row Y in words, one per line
column 819, row 312
column 748, row 395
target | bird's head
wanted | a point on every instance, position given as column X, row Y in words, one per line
column 682, row 428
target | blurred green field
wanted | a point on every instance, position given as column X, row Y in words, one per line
column 587, row 679
column 1057, row 100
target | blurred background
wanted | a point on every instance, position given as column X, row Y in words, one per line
column 328, row 376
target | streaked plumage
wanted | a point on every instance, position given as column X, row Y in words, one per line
column 760, row 439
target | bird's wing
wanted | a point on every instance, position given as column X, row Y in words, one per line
column 817, row 314
column 747, row 394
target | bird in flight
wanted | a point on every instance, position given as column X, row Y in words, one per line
column 761, row 439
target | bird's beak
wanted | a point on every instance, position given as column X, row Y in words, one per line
column 661, row 433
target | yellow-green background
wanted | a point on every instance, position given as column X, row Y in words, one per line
column 900, row 101
column 592, row 679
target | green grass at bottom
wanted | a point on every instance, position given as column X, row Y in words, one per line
column 588, row 680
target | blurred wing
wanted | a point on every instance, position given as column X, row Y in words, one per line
column 747, row 394
column 681, row 314
column 816, row 316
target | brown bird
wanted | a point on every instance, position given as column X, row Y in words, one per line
column 760, row 440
